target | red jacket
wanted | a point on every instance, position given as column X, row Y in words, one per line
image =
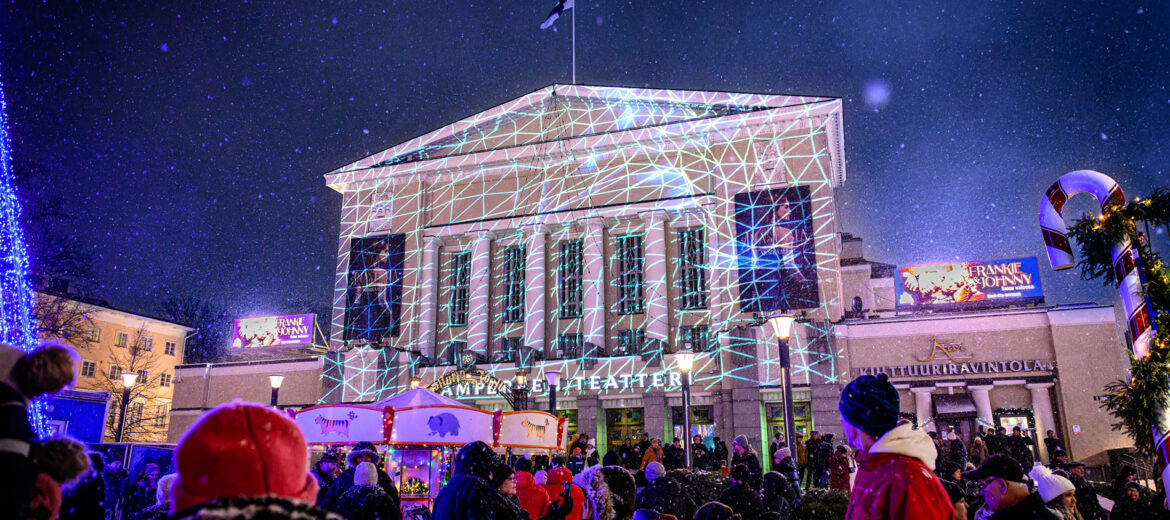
column 533, row 498
column 557, row 477
column 894, row 480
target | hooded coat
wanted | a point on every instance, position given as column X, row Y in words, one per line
column 744, row 500
column 468, row 496
column 895, row 480
column 267, row 507
column 328, row 497
column 367, row 502
column 19, row 477
column 667, row 496
column 533, row 498
column 557, row 478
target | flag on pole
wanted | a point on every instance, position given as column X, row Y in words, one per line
column 562, row 6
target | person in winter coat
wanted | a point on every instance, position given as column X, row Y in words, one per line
column 592, row 458
column 24, row 377
column 957, row 451
column 699, row 453
column 59, row 461
column 243, row 450
column 716, row 511
column 839, row 469
column 1058, row 494
column 822, row 454
column 328, row 468
column 741, row 497
column 366, row 500
column 86, row 499
column 1005, row 491
column 267, row 507
column 164, row 495
column 719, row 454
column 505, row 505
column 652, row 454
column 744, row 454
column 1131, row 505
column 576, row 461
column 664, row 494
column 361, row 452
column 978, row 451
column 1019, row 446
column 140, row 493
column 673, row 455
column 533, row 498
column 629, row 454
column 610, row 492
column 612, row 458
column 786, row 466
column 469, row 494
column 1053, row 444
column 557, row 479
column 894, row 479
column 1087, row 502
column 777, row 493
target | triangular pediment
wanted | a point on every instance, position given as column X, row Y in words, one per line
column 561, row 112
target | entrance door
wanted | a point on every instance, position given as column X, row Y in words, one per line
column 963, row 427
column 802, row 419
column 621, row 423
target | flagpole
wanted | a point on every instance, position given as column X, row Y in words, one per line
column 574, row 44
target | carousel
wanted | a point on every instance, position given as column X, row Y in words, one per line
column 422, row 430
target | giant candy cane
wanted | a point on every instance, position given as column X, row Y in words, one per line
column 1126, row 263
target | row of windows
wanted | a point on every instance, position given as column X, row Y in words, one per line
column 135, row 413
column 122, row 339
column 630, row 342
column 570, row 278
column 89, row 369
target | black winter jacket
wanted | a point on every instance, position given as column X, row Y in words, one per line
column 367, row 502
column 1032, row 508
column 744, row 500
column 327, row 498
column 666, row 495
column 752, row 462
column 465, row 497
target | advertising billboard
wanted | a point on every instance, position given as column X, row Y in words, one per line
column 273, row 331
column 775, row 253
column 969, row 283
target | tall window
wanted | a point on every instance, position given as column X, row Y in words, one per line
column 115, row 372
column 147, row 343
column 630, row 274
column 164, row 380
column 460, row 287
column 692, row 269
column 510, row 349
column 454, row 350
column 143, row 376
column 169, row 348
column 160, row 415
column 88, row 368
column 134, row 413
column 570, row 345
column 698, row 337
column 514, row 265
column 570, row 279
column 630, row 342
column 94, row 334
column 120, row 339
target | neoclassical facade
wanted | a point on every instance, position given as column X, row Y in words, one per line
column 597, row 231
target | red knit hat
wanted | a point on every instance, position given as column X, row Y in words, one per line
column 242, row 450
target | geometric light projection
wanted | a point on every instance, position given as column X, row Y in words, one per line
column 16, row 325
column 374, row 295
column 644, row 221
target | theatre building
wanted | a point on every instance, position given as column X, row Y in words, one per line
column 595, row 232
column 962, row 365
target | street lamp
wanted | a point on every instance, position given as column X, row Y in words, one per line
column 415, row 382
column 275, row 380
column 129, row 378
column 782, row 330
column 520, row 392
column 553, row 378
column 686, row 361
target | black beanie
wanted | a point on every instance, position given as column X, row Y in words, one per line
column 870, row 404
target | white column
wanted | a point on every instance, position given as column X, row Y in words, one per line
column 657, row 313
column 982, row 398
column 1042, row 409
column 479, row 301
column 720, row 264
column 428, row 296
column 535, row 288
column 594, row 282
column 923, row 408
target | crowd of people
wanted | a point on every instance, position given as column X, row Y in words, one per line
column 249, row 461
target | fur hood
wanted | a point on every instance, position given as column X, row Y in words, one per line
column 905, row 440
column 269, row 507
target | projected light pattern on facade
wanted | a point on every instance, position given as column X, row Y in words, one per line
column 626, row 224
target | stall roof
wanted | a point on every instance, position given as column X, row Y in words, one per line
column 420, row 396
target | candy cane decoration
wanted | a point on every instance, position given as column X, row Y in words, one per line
column 1126, row 262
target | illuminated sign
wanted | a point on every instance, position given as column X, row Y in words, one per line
column 955, row 352
column 460, row 384
column 959, row 369
column 969, row 283
column 273, row 331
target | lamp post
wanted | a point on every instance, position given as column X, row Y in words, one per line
column 275, row 380
column 128, row 380
column 553, row 378
column 782, row 330
column 686, row 361
column 520, row 392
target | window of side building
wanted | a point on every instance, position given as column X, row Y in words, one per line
column 164, row 380
column 88, row 368
column 460, row 288
column 169, row 348
column 570, row 279
column 94, row 335
column 630, row 342
column 121, row 339
column 569, row 346
column 514, row 266
column 115, row 372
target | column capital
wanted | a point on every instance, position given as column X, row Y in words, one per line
column 922, row 389
column 595, row 223
column 531, row 230
column 1039, row 386
column 484, row 234
column 656, row 216
column 432, row 241
column 980, row 388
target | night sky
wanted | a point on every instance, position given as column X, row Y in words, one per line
column 189, row 142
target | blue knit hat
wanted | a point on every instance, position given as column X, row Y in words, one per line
column 870, row 404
